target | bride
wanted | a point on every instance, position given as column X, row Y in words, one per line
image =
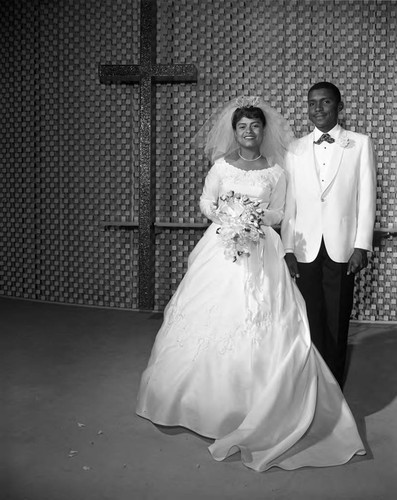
column 233, row 359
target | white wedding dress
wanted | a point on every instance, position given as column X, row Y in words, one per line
column 233, row 359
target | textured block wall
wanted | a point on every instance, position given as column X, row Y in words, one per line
column 70, row 144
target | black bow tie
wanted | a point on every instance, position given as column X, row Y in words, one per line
column 325, row 137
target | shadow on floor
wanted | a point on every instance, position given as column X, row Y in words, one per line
column 70, row 377
column 372, row 376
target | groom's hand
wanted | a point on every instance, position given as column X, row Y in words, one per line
column 292, row 265
column 357, row 261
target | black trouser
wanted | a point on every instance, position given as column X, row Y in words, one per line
column 328, row 292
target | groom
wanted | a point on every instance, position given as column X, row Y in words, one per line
column 329, row 219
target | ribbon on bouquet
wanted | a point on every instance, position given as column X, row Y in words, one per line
column 256, row 287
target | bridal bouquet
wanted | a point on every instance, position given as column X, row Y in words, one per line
column 241, row 219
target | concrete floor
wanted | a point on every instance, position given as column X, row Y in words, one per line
column 68, row 429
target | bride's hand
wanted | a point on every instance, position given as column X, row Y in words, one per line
column 213, row 213
column 267, row 218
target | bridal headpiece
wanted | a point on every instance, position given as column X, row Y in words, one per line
column 217, row 139
column 247, row 101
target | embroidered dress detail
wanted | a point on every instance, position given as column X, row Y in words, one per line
column 233, row 360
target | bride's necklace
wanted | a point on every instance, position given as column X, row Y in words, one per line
column 246, row 159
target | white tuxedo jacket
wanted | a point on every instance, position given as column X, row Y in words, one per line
column 342, row 211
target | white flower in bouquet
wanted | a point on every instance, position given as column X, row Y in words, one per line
column 241, row 220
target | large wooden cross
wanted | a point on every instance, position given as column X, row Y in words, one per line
column 146, row 74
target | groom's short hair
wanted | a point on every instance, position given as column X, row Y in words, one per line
column 327, row 85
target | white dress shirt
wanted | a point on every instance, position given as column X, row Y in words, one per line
column 323, row 152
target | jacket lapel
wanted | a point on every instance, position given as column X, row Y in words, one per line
column 310, row 162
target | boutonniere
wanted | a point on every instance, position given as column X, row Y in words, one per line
column 343, row 141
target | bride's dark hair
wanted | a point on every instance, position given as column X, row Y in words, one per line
column 251, row 112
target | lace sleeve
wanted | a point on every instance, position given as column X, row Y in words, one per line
column 210, row 195
column 275, row 211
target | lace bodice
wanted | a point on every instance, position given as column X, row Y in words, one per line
column 266, row 185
